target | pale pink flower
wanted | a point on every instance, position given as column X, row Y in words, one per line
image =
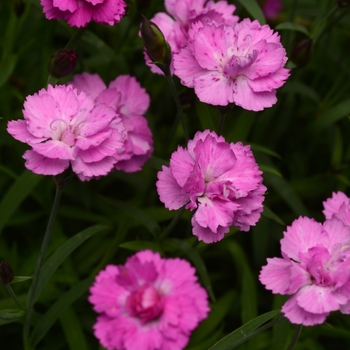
column 131, row 102
column 65, row 128
column 315, row 270
column 149, row 303
column 182, row 14
column 241, row 64
column 338, row 206
column 220, row 181
column 79, row 13
column 272, row 8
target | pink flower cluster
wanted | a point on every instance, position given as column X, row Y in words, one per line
column 149, row 303
column 315, row 268
column 220, row 180
column 185, row 13
column 241, row 64
column 79, row 13
column 86, row 126
column 65, row 128
column 126, row 96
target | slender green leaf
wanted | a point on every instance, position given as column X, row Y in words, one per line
column 138, row 215
column 270, row 170
column 72, row 329
column 19, row 279
column 11, row 314
column 332, row 115
column 248, row 296
column 292, row 26
column 254, row 9
column 57, row 309
column 244, row 333
column 216, row 316
column 140, row 245
column 271, row 215
column 194, row 256
column 264, row 150
column 62, row 253
column 283, row 188
column 16, row 195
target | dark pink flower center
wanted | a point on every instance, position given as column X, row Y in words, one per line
column 145, row 303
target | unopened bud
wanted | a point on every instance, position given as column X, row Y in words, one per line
column 62, row 62
column 301, row 52
column 343, row 3
column 157, row 48
column 6, row 273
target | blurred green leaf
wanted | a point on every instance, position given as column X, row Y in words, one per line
column 57, row 309
column 197, row 260
column 7, row 65
column 72, row 330
column 254, row 9
column 249, row 308
column 11, row 314
column 141, row 245
column 19, row 279
column 271, row 215
column 332, row 115
column 16, row 194
column 292, row 26
column 245, row 332
column 264, row 150
column 269, row 169
column 62, row 253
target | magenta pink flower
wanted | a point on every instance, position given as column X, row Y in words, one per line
column 241, row 64
column 220, row 180
column 79, row 13
column 130, row 101
column 149, row 303
column 65, row 128
column 185, row 13
column 315, row 270
column 338, row 206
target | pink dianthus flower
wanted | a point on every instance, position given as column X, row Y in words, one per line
column 315, row 270
column 241, row 64
column 338, row 206
column 130, row 101
column 220, row 180
column 185, row 13
column 65, row 128
column 79, row 13
column 149, row 303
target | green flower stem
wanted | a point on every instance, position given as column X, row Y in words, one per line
column 295, row 337
column 178, row 105
column 221, row 123
column 32, row 290
column 14, row 297
column 172, row 224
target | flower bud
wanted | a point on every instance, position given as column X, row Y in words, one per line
column 6, row 273
column 343, row 3
column 301, row 52
column 62, row 62
column 157, row 48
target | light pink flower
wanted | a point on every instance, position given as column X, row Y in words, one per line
column 79, row 13
column 130, row 101
column 149, row 303
column 338, row 206
column 185, row 13
column 272, row 8
column 241, row 64
column 315, row 270
column 65, row 128
column 220, row 180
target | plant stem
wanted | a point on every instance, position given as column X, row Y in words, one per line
column 32, row 290
column 172, row 223
column 295, row 337
column 178, row 105
column 14, row 297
